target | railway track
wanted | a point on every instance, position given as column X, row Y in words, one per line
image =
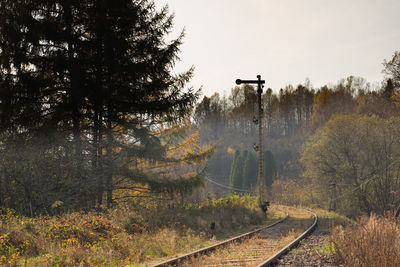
column 261, row 247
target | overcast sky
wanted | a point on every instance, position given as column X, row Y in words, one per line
column 286, row 41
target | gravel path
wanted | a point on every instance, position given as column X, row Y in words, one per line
column 313, row 252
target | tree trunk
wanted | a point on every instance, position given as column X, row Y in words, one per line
column 99, row 99
column 110, row 165
column 75, row 101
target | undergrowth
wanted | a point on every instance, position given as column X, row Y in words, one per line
column 327, row 220
column 129, row 234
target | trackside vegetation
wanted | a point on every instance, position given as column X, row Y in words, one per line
column 123, row 235
column 374, row 241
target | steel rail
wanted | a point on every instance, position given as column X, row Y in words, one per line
column 272, row 260
column 176, row 260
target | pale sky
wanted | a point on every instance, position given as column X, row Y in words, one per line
column 285, row 41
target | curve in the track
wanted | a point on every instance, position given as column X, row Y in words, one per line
column 176, row 260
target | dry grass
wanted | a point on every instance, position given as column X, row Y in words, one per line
column 130, row 235
column 373, row 242
column 141, row 235
column 328, row 220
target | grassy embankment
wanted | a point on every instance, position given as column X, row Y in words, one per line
column 126, row 235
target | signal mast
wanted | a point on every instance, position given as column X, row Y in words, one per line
column 258, row 148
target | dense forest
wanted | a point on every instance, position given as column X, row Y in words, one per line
column 337, row 140
column 90, row 110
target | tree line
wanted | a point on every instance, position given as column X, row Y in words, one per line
column 291, row 117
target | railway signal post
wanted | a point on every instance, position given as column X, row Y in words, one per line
column 262, row 189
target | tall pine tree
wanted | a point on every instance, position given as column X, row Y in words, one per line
column 250, row 170
column 236, row 171
column 97, row 74
column 270, row 169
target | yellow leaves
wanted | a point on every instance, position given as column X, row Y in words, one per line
column 396, row 99
column 57, row 204
column 231, row 151
column 188, row 146
column 70, row 242
column 137, row 190
column 200, row 156
column 141, row 163
column 6, row 214
column 188, row 175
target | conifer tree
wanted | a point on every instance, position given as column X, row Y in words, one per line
column 250, row 171
column 43, row 86
column 270, row 169
column 237, row 170
column 99, row 75
column 133, row 66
